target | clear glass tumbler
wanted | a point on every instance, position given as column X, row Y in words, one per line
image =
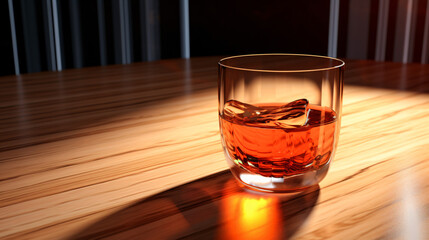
column 280, row 118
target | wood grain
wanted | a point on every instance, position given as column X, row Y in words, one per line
column 133, row 151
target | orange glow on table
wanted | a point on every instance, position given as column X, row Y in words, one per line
column 251, row 216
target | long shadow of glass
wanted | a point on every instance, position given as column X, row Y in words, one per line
column 213, row 207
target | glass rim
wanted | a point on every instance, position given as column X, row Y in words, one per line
column 340, row 64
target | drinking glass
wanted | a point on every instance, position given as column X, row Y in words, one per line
column 279, row 118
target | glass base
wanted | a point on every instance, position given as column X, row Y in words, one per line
column 294, row 183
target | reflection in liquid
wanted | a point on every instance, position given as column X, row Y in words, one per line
column 251, row 216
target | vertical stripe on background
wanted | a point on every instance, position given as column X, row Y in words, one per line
column 13, row 34
column 408, row 38
column 184, row 28
column 333, row 28
column 49, row 34
column 358, row 29
column 143, row 30
column 391, row 30
column 150, row 31
column 76, row 33
column 121, row 31
column 402, row 31
column 382, row 21
column 57, row 35
column 30, row 36
column 123, row 34
column 425, row 48
column 102, row 32
column 343, row 23
column 117, row 35
column 127, row 30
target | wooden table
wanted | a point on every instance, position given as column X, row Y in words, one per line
column 133, row 151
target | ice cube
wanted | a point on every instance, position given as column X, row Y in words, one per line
column 241, row 111
column 291, row 115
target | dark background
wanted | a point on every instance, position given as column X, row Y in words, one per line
column 238, row 27
column 218, row 27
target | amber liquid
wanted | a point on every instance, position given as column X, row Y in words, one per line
column 275, row 151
